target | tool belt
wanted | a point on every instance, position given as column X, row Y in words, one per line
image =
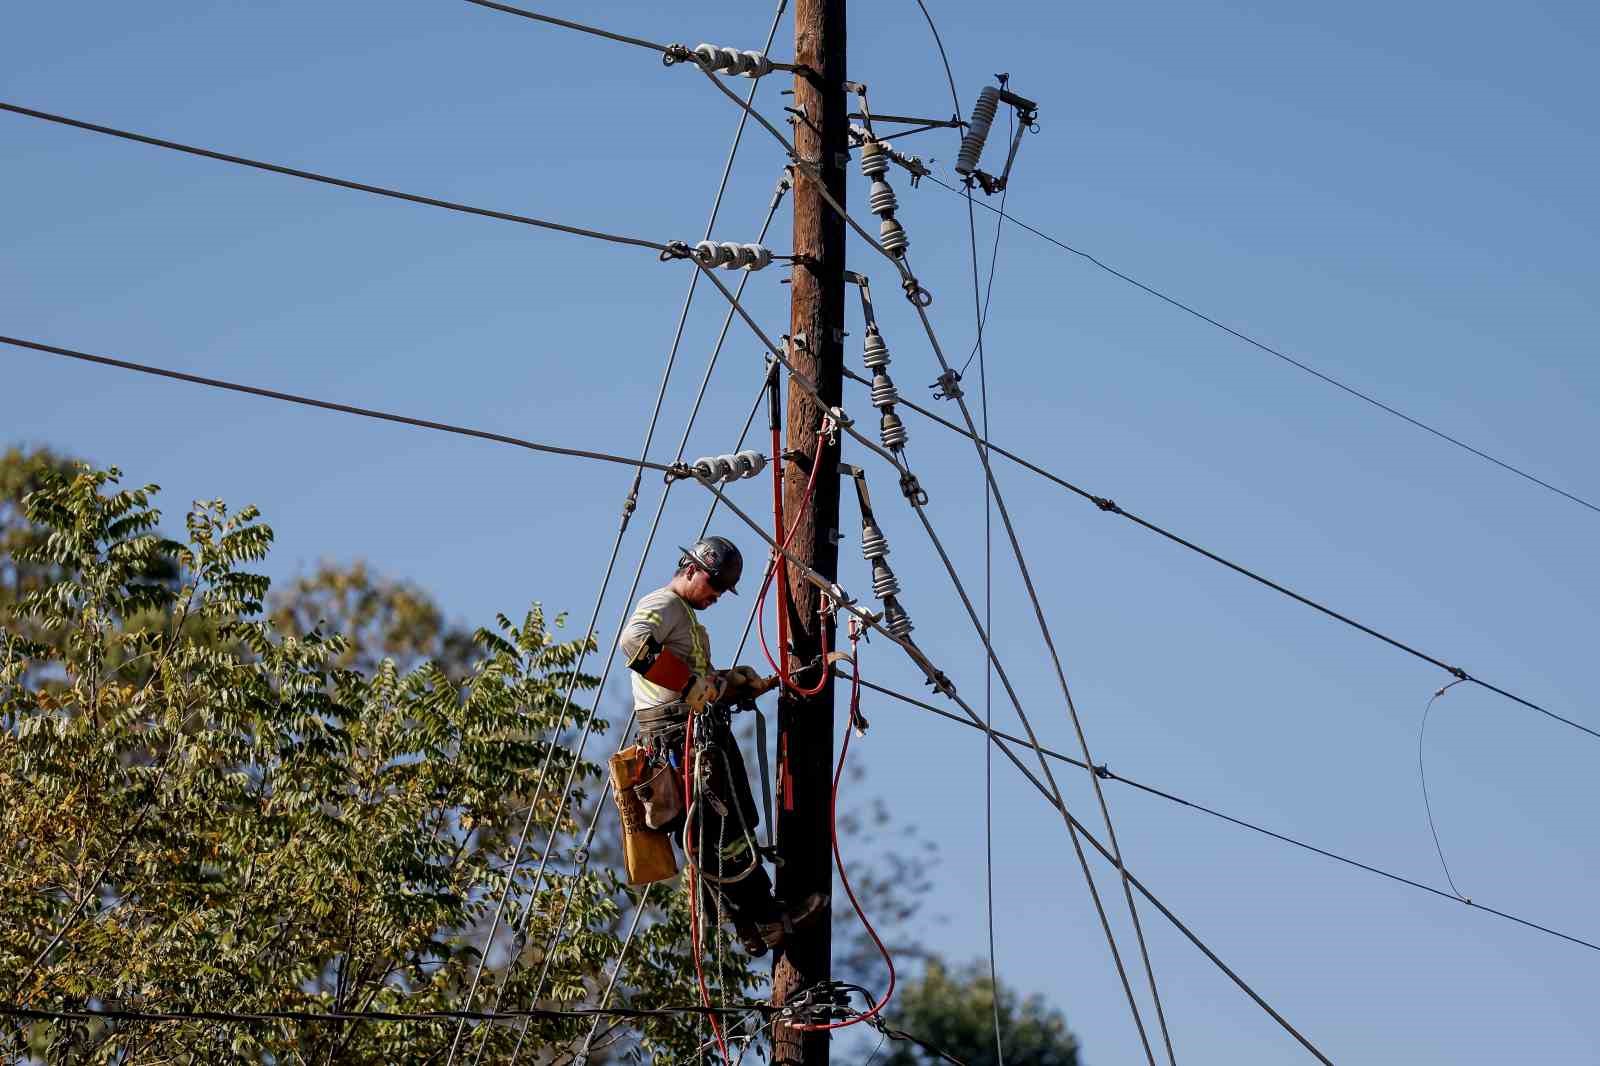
column 662, row 719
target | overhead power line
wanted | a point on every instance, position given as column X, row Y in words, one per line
column 327, row 405
column 937, row 678
column 1110, row 775
column 1278, row 353
column 672, row 53
column 273, row 1017
column 1111, row 506
column 343, row 183
column 570, row 25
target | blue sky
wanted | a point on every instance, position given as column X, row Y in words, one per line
column 1400, row 195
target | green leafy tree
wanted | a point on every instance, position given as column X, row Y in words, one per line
column 213, row 794
column 215, row 813
column 378, row 617
column 954, row 1011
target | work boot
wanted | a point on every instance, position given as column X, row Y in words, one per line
column 750, row 938
column 776, row 933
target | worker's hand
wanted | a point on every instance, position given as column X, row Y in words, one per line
column 743, row 682
column 703, row 692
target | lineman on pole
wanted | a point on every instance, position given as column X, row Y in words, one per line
column 669, row 654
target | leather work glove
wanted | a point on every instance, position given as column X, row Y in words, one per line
column 703, row 692
column 743, row 682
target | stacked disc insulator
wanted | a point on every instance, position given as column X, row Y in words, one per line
column 880, row 200
column 729, row 468
column 885, row 586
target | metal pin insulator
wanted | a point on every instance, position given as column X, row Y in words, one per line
column 874, row 352
column 892, row 431
column 880, row 200
column 893, row 237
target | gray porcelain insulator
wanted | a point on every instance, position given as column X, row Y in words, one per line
column 874, row 352
column 880, row 200
column 884, row 394
column 891, row 431
column 895, row 619
column 874, row 545
column 884, row 583
column 874, row 159
column 893, row 237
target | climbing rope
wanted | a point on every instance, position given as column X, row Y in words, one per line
column 778, row 568
column 853, row 724
column 691, row 767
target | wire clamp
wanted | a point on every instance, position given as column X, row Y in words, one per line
column 676, row 250
column 1103, row 772
column 819, row 1003
column 912, row 490
column 1106, row 504
column 916, row 293
column 948, row 385
column 674, row 54
column 677, row 472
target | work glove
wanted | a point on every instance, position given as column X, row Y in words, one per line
column 703, row 692
column 743, row 682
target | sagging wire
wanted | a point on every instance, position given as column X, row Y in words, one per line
column 1077, row 829
column 1422, row 777
column 999, row 738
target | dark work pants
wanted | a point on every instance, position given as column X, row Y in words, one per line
column 725, row 821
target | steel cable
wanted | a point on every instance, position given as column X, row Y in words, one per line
column 1111, row 506
column 715, row 210
column 327, row 405
column 343, row 183
column 1061, row 677
column 938, row 680
column 1110, row 775
column 1278, row 354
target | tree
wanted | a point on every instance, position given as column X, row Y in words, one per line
column 378, row 617
column 212, row 813
column 214, row 791
column 954, row 1011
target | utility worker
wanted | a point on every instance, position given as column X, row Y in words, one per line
column 669, row 657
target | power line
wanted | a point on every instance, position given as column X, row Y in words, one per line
column 1279, row 354
column 1110, row 775
column 937, row 678
column 343, row 183
column 655, row 525
column 567, row 24
column 327, row 405
column 1050, row 644
column 671, row 53
column 1112, row 507
column 374, row 1016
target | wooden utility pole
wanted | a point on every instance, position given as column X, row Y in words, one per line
column 816, row 317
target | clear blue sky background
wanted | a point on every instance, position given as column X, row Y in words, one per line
column 1401, row 194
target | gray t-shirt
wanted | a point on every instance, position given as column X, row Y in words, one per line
column 664, row 615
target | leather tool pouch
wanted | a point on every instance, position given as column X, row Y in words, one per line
column 661, row 792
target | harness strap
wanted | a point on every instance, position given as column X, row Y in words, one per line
column 766, row 782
